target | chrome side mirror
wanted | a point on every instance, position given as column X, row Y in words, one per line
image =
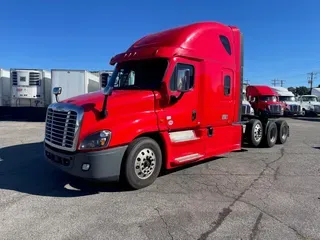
column 57, row 91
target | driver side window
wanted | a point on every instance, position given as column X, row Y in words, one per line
column 178, row 78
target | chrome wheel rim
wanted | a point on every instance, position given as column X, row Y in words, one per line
column 257, row 132
column 145, row 163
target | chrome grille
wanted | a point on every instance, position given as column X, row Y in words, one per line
column 317, row 108
column 62, row 125
column 275, row 108
column 294, row 108
column 245, row 109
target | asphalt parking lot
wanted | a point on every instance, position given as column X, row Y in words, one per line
column 253, row 194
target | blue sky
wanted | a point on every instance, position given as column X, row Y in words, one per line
column 282, row 37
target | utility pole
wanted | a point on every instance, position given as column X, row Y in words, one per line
column 276, row 82
column 312, row 77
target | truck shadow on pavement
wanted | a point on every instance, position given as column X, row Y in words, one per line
column 24, row 169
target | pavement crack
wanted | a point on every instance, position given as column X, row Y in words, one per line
column 255, row 228
column 216, row 224
column 165, row 223
column 276, row 172
column 226, row 211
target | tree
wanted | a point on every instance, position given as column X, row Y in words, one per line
column 302, row 90
column 292, row 89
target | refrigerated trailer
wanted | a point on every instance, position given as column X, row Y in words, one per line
column 5, row 94
column 104, row 76
column 175, row 98
column 30, row 87
column 73, row 82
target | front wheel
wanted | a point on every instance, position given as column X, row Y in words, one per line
column 142, row 163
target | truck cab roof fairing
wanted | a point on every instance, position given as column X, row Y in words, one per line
column 197, row 40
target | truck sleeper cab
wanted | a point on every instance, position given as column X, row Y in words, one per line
column 292, row 106
column 264, row 101
column 174, row 98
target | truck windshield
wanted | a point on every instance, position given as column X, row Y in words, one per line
column 287, row 99
column 139, row 74
column 309, row 99
column 268, row 98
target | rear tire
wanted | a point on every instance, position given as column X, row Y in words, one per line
column 271, row 134
column 283, row 130
column 142, row 163
column 254, row 132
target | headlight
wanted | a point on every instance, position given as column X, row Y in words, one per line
column 96, row 140
column 311, row 107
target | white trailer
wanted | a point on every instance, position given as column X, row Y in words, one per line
column 73, row 82
column 293, row 107
column 5, row 87
column 316, row 92
column 30, row 87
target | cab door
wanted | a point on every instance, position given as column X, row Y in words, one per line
column 181, row 115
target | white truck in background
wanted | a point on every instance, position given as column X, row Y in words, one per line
column 30, row 87
column 292, row 106
column 5, row 87
column 246, row 106
column 73, row 83
column 310, row 105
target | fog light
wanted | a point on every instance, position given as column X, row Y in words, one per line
column 85, row 166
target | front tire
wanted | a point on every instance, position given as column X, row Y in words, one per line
column 142, row 163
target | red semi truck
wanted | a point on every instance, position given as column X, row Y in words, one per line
column 265, row 101
column 175, row 97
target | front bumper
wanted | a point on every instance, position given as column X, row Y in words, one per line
column 287, row 112
column 104, row 165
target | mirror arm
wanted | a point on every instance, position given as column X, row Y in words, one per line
column 57, row 99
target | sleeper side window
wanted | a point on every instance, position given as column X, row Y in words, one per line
column 226, row 44
column 227, row 85
column 182, row 78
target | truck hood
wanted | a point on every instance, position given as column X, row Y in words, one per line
column 312, row 103
column 118, row 99
column 292, row 103
column 125, row 108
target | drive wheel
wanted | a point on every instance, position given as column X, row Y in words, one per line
column 271, row 134
column 283, row 131
column 142, row 163
column 254, row 132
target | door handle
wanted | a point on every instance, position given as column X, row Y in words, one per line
column 194, row 115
